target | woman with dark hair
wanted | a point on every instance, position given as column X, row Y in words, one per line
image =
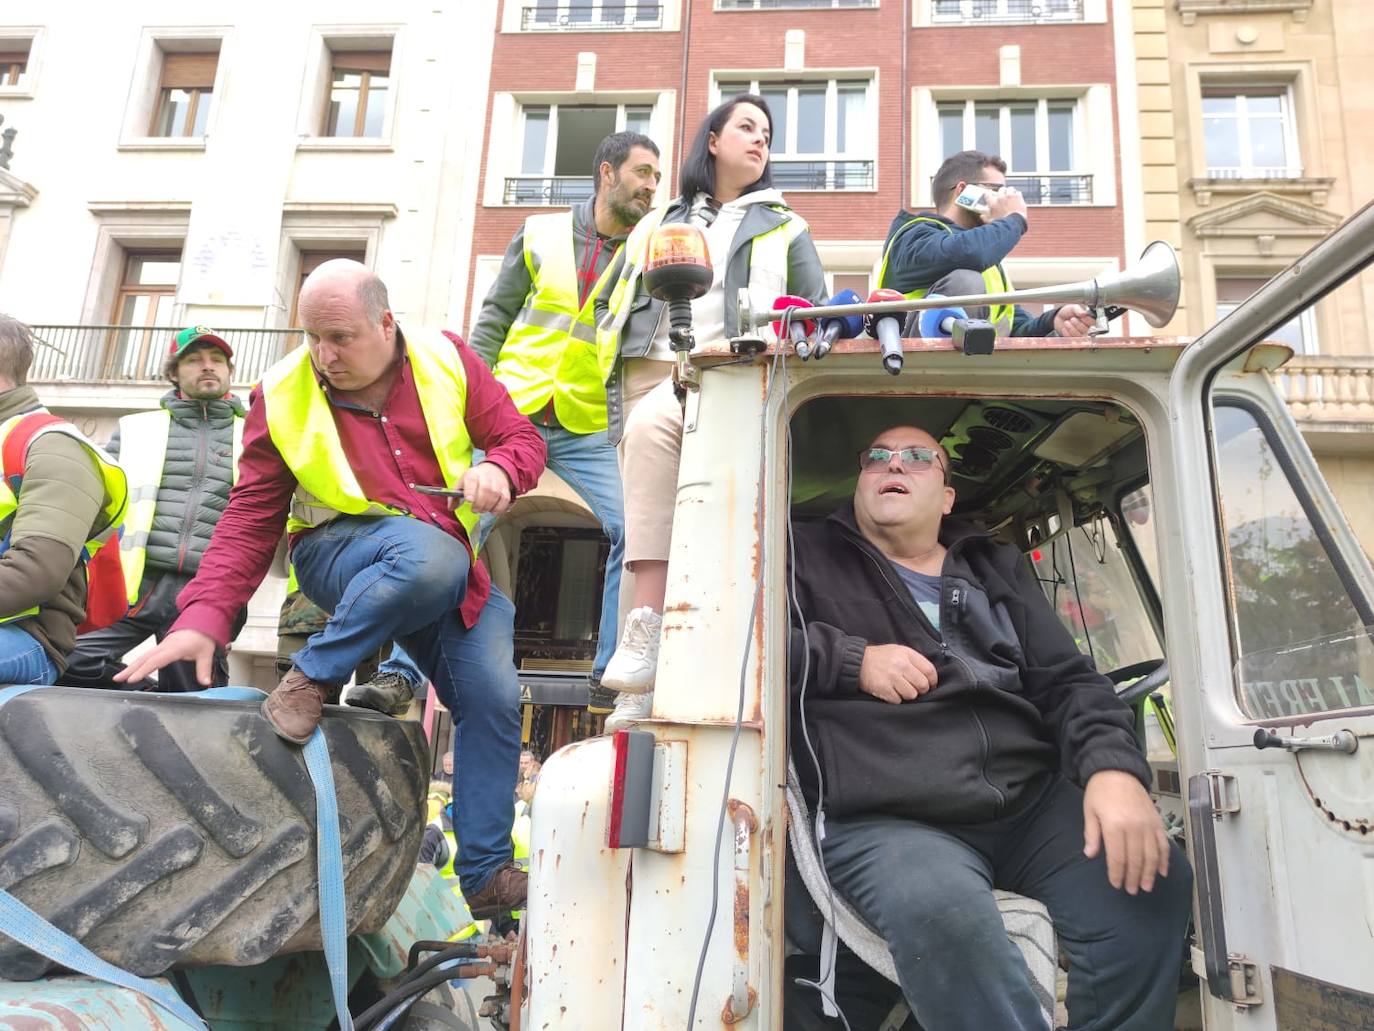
column 756, row 241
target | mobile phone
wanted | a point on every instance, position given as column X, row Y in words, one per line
column 439, row 492
column 973, row 197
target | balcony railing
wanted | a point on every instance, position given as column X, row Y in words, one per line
column 1004, row 12
column 127, row 354
column 822, row 175
column 1323, row 388
column 770, row 5
column 1253, row 172
column 558, row 190
column 1054, row 189
column 605, row 17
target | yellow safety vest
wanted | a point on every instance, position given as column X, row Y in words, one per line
column 550, row 352
column 116, row 495
column 446, row 871
column 300, row 421
column 767, row 271
column 995, row 279
column 143, row 452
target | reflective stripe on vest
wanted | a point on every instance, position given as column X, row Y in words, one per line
column 767, row 272
column 550, row 352
column 143, row 465
column 116, row 495
column 995, row 280
column 300, row 421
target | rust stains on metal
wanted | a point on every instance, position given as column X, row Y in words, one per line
column 682, row 606
column 65, row 1017
column 742, row 920
column 728, row 1015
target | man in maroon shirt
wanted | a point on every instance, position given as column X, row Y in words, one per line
column 403, row 568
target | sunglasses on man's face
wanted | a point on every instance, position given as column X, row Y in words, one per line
column 913, row 459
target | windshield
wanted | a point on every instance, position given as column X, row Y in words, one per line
column 1086, row 579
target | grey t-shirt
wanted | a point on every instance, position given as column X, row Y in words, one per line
column 925, row 591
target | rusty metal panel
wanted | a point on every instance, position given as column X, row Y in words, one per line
column 1303, row 1003
column 81, row 1004
column 575, row 916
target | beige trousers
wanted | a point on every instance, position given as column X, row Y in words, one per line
column 649, row 452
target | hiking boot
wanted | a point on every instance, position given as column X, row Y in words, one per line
column 294, row 706
column 390, row 693
column 505, row 890
column 600, row 700
column 632, row 667
column 629, row 710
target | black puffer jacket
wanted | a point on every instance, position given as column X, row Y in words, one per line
column 1014, row 699
column 196, row 476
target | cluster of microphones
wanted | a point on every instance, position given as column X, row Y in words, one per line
column 813, row 338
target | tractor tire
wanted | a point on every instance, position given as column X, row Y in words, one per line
column 167, row 831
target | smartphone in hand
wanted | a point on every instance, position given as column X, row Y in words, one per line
column 439, row 492
column 973, row 197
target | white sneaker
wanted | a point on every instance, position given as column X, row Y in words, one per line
column 629, row 710
column 632, row 667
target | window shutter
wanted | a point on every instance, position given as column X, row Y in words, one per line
column 376, row 61
column 189, row 71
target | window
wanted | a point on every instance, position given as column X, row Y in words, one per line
column 146, row 299
column 556, row 145
column 822, row 132
column 1249, row 133
column 768, row 5
column 1298, row 333
column 14, row 62
column 1004, row 12
column 594, row 15
column 1302, row 642
column 358, row 83
column 1036, row 138
column 183, row 101
column 856, row 281
column 558, row 596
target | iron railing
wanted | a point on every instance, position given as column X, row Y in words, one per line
column 607, row 17
column 1054, row 189
column 822, row 175
column 769, row 5
column 135, row 354
column 1004, row 12
column 558, row 190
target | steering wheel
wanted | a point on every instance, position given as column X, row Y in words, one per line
column 1148, row 676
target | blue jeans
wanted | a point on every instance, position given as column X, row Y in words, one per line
column 23, row 660
column 398, row 578
column 928, row 890
column 587, row 463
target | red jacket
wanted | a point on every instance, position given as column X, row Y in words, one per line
column 389, row 452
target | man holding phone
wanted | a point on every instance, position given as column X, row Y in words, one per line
column 339, row 439
column 959, row 249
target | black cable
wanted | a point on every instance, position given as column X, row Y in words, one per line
column 401, row 996
column 743, row 685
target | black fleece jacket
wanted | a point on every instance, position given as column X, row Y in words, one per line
column 1015, row 699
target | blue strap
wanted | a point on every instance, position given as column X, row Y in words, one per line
column 32, row 931
column 328, row 851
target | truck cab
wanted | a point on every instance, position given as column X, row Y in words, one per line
column 1182, row 530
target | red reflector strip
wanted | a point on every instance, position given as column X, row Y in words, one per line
column 621, row 744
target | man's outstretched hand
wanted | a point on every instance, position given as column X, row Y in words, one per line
column 179, row 645
column 1118, row 813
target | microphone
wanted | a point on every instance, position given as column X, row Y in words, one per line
column 799, row 328
column 838, row 327
column 887, row 329
column 939, row 322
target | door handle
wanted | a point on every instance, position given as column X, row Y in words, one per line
column 1341, row 741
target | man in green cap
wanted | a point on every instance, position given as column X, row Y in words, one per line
column 181, row 459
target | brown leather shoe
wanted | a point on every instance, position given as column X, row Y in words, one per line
column 294, row 706
column 504, row 891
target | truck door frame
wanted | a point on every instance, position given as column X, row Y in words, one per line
column 1214, row 733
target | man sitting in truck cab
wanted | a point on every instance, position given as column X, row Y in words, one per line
column 964, row 744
